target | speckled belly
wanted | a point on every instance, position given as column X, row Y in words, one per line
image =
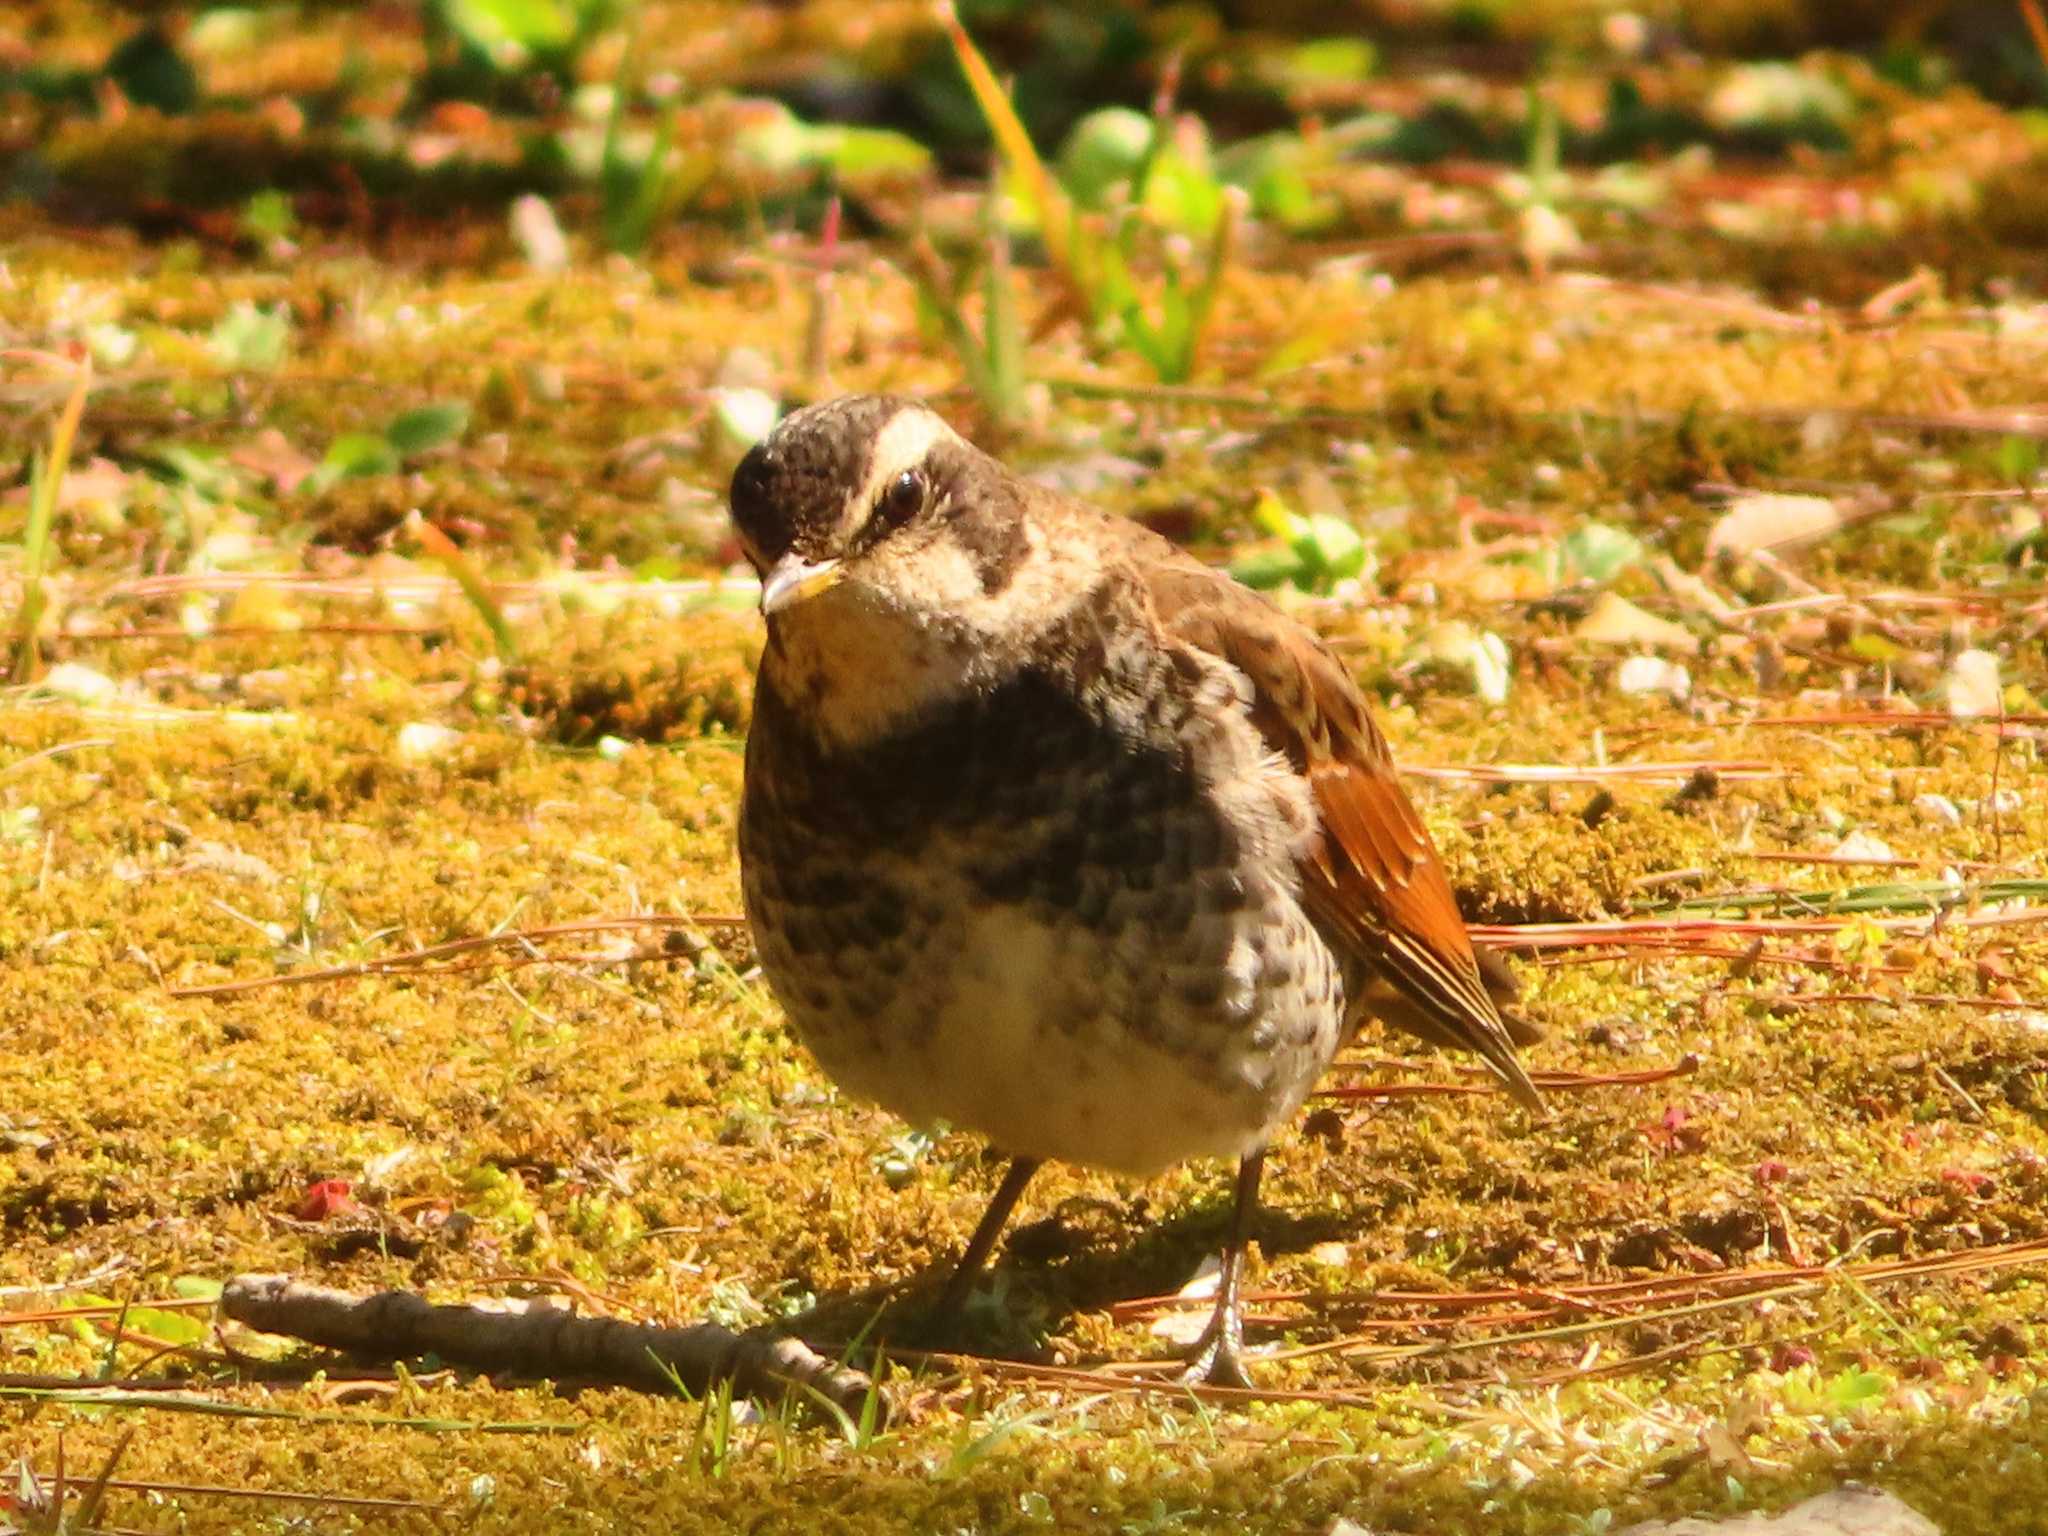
column 1075, row 950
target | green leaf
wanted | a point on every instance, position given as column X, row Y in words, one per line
column 248, row 337
column 426, row 427
column 1275, row 518
column 1183, row 194
column 1266, row 568
column 1281, row 192
column 111, row 345
column 854, row 152
column 166, row 1327
column 781, row 143
column 658, row 568
column 1873, row 647
column 1852, row 1387
column 1599, row 552
column 2019, row 459
column 638, row 187
column 1103, row 149
column 45, row 476
column 152, row 73
column 354, row 455
column 1337, row 60
column 469, row 578
column 1544, row 136
column 774, row 140
column 268, row 216
column 1330, row 547
column 204, row 469
column 507, row 31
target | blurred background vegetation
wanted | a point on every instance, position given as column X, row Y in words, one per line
column 248, row 121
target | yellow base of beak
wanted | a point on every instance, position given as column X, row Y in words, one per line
column 792, row 579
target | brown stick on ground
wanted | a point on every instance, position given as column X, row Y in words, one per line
column 539, row 1341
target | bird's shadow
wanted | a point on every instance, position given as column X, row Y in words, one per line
column 1082, row 1257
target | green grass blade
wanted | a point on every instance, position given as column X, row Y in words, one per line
column 1202, row 304
column 1058, row 225
column 471, row 581
column 46, row 478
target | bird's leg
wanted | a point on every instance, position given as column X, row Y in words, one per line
column 1218, row 1357
column 983, row 1243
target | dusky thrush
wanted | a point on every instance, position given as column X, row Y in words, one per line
column 1054, row 833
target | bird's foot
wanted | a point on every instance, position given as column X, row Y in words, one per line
column 958, row 1297
column 1218, row 1358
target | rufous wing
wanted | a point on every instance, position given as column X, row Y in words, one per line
column 1374, row 876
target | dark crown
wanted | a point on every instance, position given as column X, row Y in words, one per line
column 790, row 491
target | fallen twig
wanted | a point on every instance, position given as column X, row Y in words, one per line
column 108, row 1309
column 1896, row 1000
column 280, row 1495
column 543, row 1341
column 1633, row 930
column 1606, row 1296
column 1549, row 1082
column 1898, row 896
column 1591, row 773
column 92, row 1278
column 1684, row 949
column 93, row 1394
column 1883, row 719
column 419, row 959
column 238, row 632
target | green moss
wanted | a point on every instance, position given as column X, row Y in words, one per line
column 625, row 679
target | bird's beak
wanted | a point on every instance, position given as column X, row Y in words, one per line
column 793, row 578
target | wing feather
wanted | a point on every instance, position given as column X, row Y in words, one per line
column 1374, row 876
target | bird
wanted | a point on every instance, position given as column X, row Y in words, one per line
column 1052, row 832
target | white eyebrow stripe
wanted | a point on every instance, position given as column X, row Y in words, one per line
column 902, row 444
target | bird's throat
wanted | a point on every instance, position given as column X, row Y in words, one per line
column 857, row 671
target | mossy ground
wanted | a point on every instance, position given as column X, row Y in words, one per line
column 238, row 786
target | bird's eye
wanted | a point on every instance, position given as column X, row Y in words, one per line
column 903, row 499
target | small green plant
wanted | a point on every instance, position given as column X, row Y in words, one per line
column 898, row 1166
column 712, row 1446
column 859, row 1432
column 251, row 338
column 1547, row 232
column 1174, row 200
column 980, row 1439
column 1310, row 553
column 408, row 435
column 269, row 222
column 1597, row 552
column 2019, row 459
column 637, row 186
column 39, row 1508
column 992, row 356
column 466, row 576
column 481, row 46
column 1171, row 340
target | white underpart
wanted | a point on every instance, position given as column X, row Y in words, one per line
column 1025, row 1045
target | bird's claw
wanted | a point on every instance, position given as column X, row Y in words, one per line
column 1218, row 1358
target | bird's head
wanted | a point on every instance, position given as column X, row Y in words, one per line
column 876, row 494
column 900, row 566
